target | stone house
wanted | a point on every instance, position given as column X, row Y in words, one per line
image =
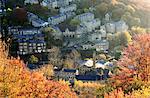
column 30, row 40
column 72, row 34
column 92, row 25
column 49, row 3
column 55, row 3
column 36, row 21
column 70, row 14
column 66, row 74
column 69, row 8
column 39, row 23
column 31, row 2
column 119, row 26
column 57, row 19
column 102, row 45
column 95, row 37
column 85, row 17
column 103, row 31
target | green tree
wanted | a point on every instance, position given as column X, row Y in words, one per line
column 102, row 9
column 117, row 13
column 131, row 20
column 74, row 22
column 118, row 41
column 33, row 59
column 50, row 37
column 54, row 56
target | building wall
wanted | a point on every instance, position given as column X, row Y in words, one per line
column 85, row 17
column 69, row 8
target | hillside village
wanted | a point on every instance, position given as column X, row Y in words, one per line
column 74, row 49
column 88, row 35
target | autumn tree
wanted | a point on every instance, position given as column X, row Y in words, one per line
column 137, row 30
column 16, row 81
column 137, row 55
column 20, row 15
column 71, row 59
column 54, row 57
column 118, row 41
column 47, row 71
column 130, row 19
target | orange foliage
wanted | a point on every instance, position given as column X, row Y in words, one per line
column 16, row 81
column 135, row 63
column 118, row 93
column 137, row 56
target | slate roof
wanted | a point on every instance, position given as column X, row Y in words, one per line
column 70, row 70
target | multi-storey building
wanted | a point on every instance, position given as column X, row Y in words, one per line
column 30, row 41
